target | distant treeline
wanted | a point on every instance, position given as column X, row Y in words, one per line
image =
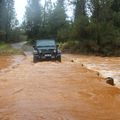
column 94, row 28
column 8, row 20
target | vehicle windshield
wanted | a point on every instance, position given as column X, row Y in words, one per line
column 45, row 43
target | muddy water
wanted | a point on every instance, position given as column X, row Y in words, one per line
column 106, row 66
column 56, row 91
column 4, row 62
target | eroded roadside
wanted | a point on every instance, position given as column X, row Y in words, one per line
column 56, row 91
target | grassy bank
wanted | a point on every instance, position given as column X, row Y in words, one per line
column 6, row 49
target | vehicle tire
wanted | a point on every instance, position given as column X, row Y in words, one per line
column 59, row 58
column 35, row 59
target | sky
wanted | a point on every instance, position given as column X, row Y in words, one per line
column 20, row 9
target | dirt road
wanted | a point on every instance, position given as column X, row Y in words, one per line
column 55, row 91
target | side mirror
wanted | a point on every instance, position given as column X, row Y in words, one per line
column 34, row 46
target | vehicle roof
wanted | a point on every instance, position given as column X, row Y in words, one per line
column 45, row 42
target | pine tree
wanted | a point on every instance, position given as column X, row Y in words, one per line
column 116, row 5
column 33, row 19
column 58, row 18
column 0, row 15
column 7, row 19
column 80, row 8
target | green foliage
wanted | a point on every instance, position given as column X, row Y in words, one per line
column 116, row 5
column 7, row 19
column 116, row 19
column 64, row 33
column 33, row 19
column 99, row 33
column 6, row 49
column 46, row 20
column 95, row 28
column 80, row 8
column 71, row 46
column 80, row 28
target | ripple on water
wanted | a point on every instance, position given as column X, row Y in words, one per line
column 107, row 70
column 107, row 67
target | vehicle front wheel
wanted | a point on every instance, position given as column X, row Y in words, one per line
column 59, row 58
column 35, row 59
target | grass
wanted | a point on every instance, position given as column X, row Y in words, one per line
column 6, row 49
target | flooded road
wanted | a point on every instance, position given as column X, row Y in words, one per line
column 106, row 66
column 5, row 61
column 56, row 91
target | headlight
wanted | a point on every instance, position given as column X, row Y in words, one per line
column 35, row 52
column 54, row 51
column 40, row 51
column 59, row 51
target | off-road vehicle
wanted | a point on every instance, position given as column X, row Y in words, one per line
column 46, row 49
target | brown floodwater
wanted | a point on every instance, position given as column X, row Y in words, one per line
column 56, row 91
column 4, row 61
column 106, row 66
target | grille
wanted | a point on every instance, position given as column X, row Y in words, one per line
column 47, row 51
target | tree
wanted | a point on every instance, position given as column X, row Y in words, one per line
column 80, row 8
column 116, row 10
column 10, row 19
column 46, row 23
column 105, row 21
column 101, row 16
column 116, row 5
column 7, row 17
column 58, row 18
column 81, row 20
column 33, row 19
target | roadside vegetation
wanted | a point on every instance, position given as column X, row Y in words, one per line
column 7, row 49
column 93, row 29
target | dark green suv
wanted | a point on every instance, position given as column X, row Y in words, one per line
column 46, row 50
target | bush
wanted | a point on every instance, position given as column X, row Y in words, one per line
column 6, row 49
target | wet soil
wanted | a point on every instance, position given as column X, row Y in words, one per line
column 56, row 91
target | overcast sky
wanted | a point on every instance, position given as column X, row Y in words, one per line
column 20, row 8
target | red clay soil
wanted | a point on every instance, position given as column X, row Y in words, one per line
column 56, row 91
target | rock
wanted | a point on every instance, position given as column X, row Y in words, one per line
column 82, row 65
column 98, row 74
column 109, row 80
column 72, row 61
